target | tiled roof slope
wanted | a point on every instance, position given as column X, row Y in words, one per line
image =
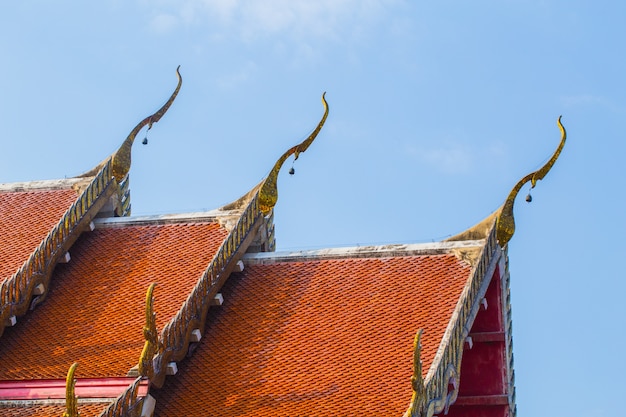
column 323, row 337
column 27, row 217
column 54, row 410
column 94, row 312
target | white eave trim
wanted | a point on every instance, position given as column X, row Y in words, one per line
column 205, row 216
column 62, row 184
column 411, row 249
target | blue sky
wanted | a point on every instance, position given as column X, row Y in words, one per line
column 436, row 110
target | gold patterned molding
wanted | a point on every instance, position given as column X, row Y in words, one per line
column 128, row 403
column 506, row 222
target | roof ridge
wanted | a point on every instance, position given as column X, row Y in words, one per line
column 410, row 249
column 216, row 215
column 58, row 184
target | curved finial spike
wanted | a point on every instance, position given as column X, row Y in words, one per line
column 418, row 398
column 71, row 403
column 146, row 367
column 417, row 381
column 268, row 194
column 506, row 222
column 121, row 158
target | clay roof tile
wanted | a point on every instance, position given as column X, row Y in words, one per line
column 318, row 337
column 27, row 217
column 94, row 311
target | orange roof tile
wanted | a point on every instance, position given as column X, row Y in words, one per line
column 55, row 410
column 318, row 337
column 94, row 311
column 27, row 217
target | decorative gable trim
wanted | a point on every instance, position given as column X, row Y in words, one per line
column 28, row 286
column 439, row 388
column 178, row 333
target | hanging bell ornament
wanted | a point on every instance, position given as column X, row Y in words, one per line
column 145, row 140
column 529, row 198
column 292, row 171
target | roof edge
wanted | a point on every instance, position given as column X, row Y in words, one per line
column 212, row 216
column 60, row 184
column 54, row 389
column 436, row 248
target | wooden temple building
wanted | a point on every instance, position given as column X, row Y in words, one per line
column 107, row 314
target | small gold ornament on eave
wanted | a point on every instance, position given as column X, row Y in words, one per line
column 150, row 347
column 71, row 402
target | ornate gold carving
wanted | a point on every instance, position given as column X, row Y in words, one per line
column 127, row 404
column 506, row 223
column 417, row 380
column 150, row 347
column 71, row 403
column 122, row 157
column 268, row 195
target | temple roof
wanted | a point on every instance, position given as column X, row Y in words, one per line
column 329, row 333
column 137, row 301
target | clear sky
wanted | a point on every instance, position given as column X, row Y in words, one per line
column 436, row 110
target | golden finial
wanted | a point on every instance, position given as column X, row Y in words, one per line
column 146, row 367
column 268, row 195
column 506, row 223
column 121, row 158
column 71, row 403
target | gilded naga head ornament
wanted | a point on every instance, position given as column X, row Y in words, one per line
column 121, row 158
column 268, row 194
column 506, row 223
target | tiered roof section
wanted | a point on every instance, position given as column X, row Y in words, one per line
column 194, row 314
column 323, row 333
